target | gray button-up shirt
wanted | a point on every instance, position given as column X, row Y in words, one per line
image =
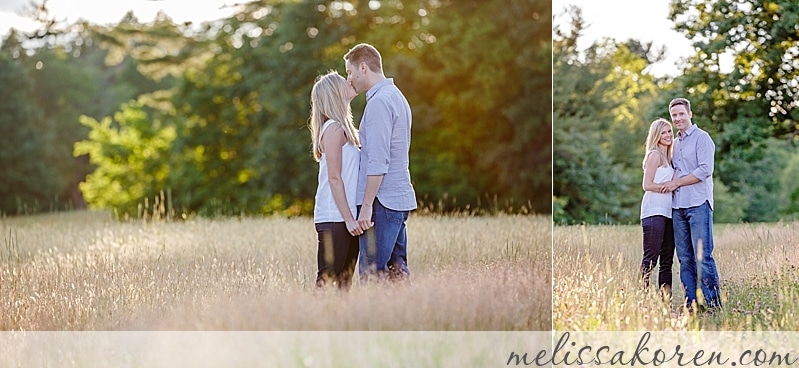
column 385, row 133
column 693, row 154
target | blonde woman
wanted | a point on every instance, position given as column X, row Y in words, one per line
column 337, row 149
column 658, row 233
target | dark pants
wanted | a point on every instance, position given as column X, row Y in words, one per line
column 337, row 254
column 658, row 246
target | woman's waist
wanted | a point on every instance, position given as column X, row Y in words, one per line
column 656, row 197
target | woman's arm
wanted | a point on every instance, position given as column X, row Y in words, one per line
column 332, row 142
column 650, row 166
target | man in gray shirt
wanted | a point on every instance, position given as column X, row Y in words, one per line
column 385, row 195
column 692, row 206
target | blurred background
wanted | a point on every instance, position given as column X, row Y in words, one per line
column 206, row 113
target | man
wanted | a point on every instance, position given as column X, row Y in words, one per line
column 385, row 195
column 692, row 206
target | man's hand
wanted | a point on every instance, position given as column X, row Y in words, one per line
column 365, row 217
column 669, row 186
column 353, row 227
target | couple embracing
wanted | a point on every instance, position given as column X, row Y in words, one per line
column 677, row 208
column 364, row 194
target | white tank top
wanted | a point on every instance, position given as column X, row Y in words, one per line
column 655, row 203
column 325, row 209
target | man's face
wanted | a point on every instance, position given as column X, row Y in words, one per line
column 355, row 77
column 680, row 117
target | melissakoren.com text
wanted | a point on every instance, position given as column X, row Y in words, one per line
column 682, row 353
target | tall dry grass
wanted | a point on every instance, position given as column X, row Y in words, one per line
column 85, row 271
column 597, row 287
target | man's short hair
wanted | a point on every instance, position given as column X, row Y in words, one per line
column 680, row 101
column 365, row 53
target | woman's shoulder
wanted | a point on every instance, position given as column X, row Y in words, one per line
column 656, row 159
column 332, row 130
column 652, row 156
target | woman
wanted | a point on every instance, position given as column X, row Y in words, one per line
column 658, row 237
column 336, row 148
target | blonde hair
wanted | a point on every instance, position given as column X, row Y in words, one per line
column 329, row 101
column 365, row 53
column 653, row 138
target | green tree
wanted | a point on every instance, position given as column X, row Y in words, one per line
column 755, row 99
column 240, row 105
column 600, row 99
column 762, row 38
column 70, row 78
column 26, row 184
column 243, row 145
column 482, row 104
column 789, row 193
column 728, row 208
column 131, row 153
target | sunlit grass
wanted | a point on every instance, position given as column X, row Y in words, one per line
column 85, row 271
column 596, row 285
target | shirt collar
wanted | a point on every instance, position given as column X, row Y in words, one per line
column 688, row 131
column 385, row 82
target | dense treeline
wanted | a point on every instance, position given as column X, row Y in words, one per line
column 211, row 118
column 604, row 99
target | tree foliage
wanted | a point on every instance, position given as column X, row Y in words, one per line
column 762, row 38
column 131, row 153
column 486, row 120
column 600, row 98
column 69, row 78
column 743, row 81
column 25, row 179
column 604, row 99
column 789, row 198
column 215, row 114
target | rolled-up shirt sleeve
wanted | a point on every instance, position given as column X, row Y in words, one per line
column 379, row 117
column 705, row 150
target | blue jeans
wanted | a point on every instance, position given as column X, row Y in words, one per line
column 693, row 239
column 385, row 245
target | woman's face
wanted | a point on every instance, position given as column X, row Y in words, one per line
column 349, row 91
column 666, row 136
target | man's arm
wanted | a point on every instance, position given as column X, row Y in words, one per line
column 372, row 184
column 687, row 180
column 378, row 115
column 705, row 149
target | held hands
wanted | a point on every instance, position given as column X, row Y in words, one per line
column 353, row 227
column 668, row 186
column 365, row 218
column 363, row 223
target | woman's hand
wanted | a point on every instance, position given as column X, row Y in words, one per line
column 669, row 186
column 353, row 227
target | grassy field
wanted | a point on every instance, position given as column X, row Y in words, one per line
column 596, row 281
column 85, row 271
